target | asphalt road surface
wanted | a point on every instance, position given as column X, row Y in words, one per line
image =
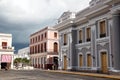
column 41, row 75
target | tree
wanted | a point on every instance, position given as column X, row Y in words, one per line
column 17, row 61
column 25, row 61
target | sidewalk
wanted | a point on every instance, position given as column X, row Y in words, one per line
column 115, row 77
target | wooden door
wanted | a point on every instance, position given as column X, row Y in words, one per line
column 104, row 62
column 65, row 63
column 89, row 61
column 80, row 60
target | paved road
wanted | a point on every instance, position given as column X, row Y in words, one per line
column 41, row 75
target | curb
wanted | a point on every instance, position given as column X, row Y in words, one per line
column 87, row 74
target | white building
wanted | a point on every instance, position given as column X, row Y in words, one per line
column 6, row 51
column 24, row 53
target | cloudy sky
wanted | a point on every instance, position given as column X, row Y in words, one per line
column 23, row 17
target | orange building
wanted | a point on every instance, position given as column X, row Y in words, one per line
column 44, row 48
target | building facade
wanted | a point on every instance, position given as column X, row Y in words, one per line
column 24, row 53
column 44, row 48
column 90, row 41
column 6, row 51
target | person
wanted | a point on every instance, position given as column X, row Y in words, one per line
column 53, row 67
column 6, row 68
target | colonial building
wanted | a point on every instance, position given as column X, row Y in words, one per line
column 44, row 48
column 24, row 53
column 90, row 41
column 6, row 51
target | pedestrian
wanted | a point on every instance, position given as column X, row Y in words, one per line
column 6, row 68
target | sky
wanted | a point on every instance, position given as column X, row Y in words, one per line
column 24, row 17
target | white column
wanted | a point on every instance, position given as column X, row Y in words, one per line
column 12, row 61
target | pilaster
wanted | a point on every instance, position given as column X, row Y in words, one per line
column 116, row 39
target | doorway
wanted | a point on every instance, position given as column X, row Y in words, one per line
column 80, row 60
column 3, row 65
column 104, row 62
column 65, row 63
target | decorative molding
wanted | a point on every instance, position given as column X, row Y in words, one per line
column 103, row 41
column 83, row 44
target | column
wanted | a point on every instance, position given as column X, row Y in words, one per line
column 12, row 61
column 116, row 40
column 0, row 60
column 60, row 52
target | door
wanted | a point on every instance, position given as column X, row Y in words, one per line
column 65, row 63
column 80, row 60
column 3, row 65
column 89, row 61
column 104, row 62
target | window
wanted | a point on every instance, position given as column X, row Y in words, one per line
column 41, row 47
column 39, row 38
column 102, row 29
column 42, row 37
column 36, row 39
column 45, row 47
column 4, row 45
column 88, row 34
column 33, row 40
column 80, row 36
column 45, row 35
column 38, row 48
column 33, row 49
column 55, row 35
column 55, row 47
column 65, row 39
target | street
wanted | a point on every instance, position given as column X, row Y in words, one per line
column 41, row 75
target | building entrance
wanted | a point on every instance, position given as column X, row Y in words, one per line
column 65, row 63
column 5, row 65
column 104, row 62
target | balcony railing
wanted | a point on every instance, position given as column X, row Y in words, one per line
column 80, row 41
column 65, row 44
column 50, row 51
column 88, row 39
column 6, row 48
column 102, row 35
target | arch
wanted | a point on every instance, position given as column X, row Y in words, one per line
column 55, row 47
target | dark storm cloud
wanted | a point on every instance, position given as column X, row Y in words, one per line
column 23, row 17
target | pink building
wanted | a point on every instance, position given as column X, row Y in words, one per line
column 44, row 48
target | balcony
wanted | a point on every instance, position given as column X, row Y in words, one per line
column 88, row 39
column 80, row 41
column 102, row 35
column 6, row 48
column 65, row 44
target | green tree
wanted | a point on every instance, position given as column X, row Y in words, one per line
column 25, row 61
column 17, row 60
